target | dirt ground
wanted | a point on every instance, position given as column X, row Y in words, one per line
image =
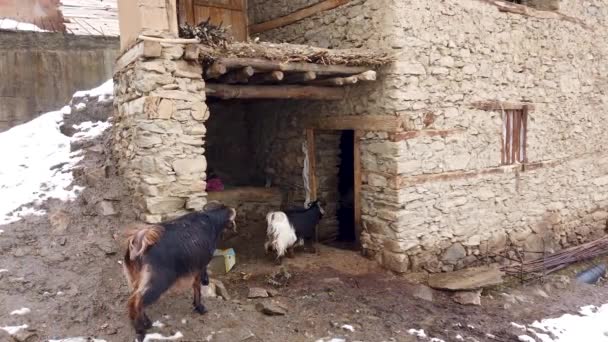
column 65, row 267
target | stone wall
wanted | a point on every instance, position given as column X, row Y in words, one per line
column 439, row 198
column 159, row 131
column 50, row 68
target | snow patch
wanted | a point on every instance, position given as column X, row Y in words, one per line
column 15, row 329
column 159, row 337
column 81, row 106
column 348, row 327
column 38, row 165
column 418, row 333
column 102, row 92
column 158, row 324
column 21, row 312
column 13, row 25
column 525, row 338
column 590, row 325
column 332, row 340
column 3, row 270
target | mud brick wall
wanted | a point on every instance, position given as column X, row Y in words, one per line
column 438, row 198
column 159, row 131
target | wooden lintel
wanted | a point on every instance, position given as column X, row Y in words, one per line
column 216, row 70
column 130, row 56
column 293, row 92
column 268, row 65
column 296, row 16
column 300, row 77
column 368, row 123
column 237, row 76
column 407, row 135
column 494, row 105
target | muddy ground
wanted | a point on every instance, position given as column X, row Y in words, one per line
column 65, row 267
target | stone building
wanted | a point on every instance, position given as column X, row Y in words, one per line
column 482, row 136
column 53, row 49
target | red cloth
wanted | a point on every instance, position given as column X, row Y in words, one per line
column 215, row 184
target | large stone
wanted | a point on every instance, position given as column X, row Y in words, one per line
column 106, row 208
column 186, row 167
column 407, row 68
column 468, row 297
column 423, row 292
column 467, row 279
column 178, row 95
column 257, row 292
column 159, row 108
column 188, row 70
column 455, row 253
column 395, row 262
column 162, row 205
column 148, row 140
column 271, row 308
column 200, row 111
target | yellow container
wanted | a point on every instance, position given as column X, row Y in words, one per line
column 223, row 261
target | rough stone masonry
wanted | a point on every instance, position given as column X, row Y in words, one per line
column 438, row 197
column 159, row 131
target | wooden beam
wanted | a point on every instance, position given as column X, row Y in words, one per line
column 312, row 173
column 216, row 70
column 336, row 81
column 130, row 56
column 269, row 77
column 296, row 16
column 300, row 77
column 268, row 65
column 368, row 76
column 378, row 123
column 494, row 105
column 293, row 92
column 238, row 76
column 358, row 183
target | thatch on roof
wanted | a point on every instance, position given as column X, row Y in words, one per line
column 293, row 53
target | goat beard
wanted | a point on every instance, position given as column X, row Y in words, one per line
column 280, row 234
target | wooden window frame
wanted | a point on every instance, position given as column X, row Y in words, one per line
column 514, row 136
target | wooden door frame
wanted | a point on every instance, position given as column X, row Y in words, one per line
column 312, row 165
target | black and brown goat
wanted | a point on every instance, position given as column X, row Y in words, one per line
column 160, row 257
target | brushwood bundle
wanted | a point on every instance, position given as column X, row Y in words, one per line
column 208, row 33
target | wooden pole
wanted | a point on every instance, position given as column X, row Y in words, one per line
column 238, row 76
column 300, row 77
column 294, row 92
column 216, row 70
column 312, row 166
column 268, row 65
column 358, row 183
column 269, row 77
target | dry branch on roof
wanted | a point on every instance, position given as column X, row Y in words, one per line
column 206, row 32
column 292, row 53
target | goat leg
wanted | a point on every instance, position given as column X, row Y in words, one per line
column 196, row 288
column 279, row 260
column 205, row 278
column 290, row 253
column 310, row 247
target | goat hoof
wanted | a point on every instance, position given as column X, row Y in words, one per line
column 140, row 337
column 147, row 323
column 200, row 309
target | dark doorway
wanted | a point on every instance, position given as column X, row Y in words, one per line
column 346, row 199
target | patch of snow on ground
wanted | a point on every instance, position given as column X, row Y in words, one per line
column 3, row 270
column 81, row 106
column 526, row 338
column 37, row 162
column 158, row 324
column 21, row 312
column 590, row 326
column 419, row 333
column 102, row 92
column 13, row 25
column 159, row 337
column 15, row 329
column 348, row 327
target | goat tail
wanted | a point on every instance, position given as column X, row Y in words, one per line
column 140, row 238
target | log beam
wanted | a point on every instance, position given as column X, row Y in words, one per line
column 269, row 77
column 216, row 70
column 300, row 77
column 367, row 123
column 268, row 65
column 238, row 76
column 294, row 92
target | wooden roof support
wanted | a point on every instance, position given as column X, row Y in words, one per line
column 294, row 92
column 216, row 70
column 267, row 65
column 269, row 77
column 367, row 76
column 238, row 76
column 380, row 123
column 300, row 77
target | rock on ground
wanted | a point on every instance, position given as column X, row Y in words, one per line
column 468, row 279
column 257, row 292
column 468, row 297
column 271, row 308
